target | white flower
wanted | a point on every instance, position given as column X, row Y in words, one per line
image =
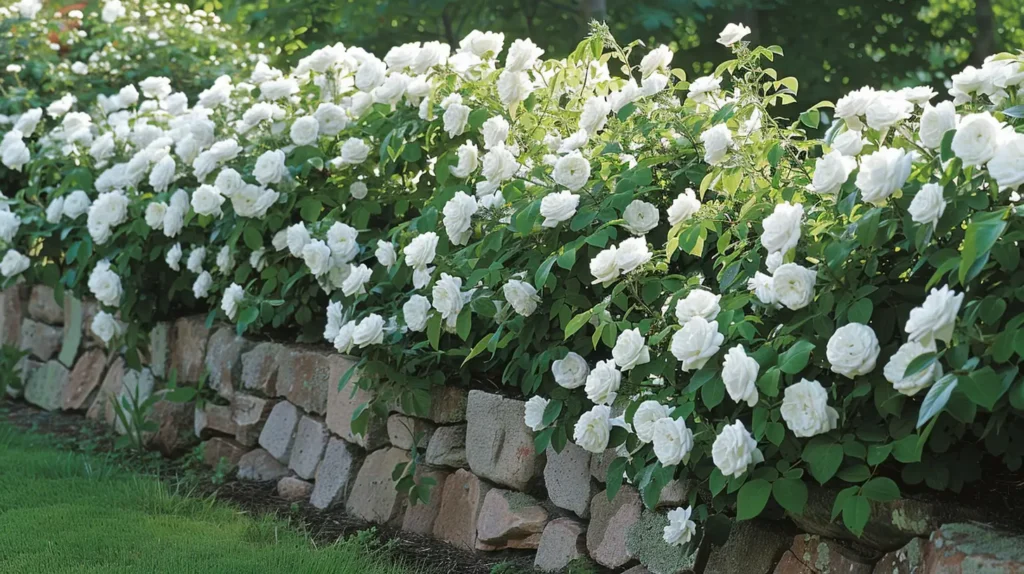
column 105, row 326
column 534, row 412
column 195, row 260
column 739, row 373
column 13, row 263
column 225, row 262
column 702, row 88
column 882, row 173
column 734, row 450
column 447, row 298
column 112, row 10
column 977, row 139
column 157, row 87
column 782, row 227
column 640, row 217
column 603, row 267
column 76, row 204
column 572, row 171
column 162, row 175
column 334, row 320
column 353, row 151
column 420, row 251
column 385, row 253
column 233, row 297
column 484, row 45
column 680, row 529
column 696, row 343
column 156, row 211
column 773, row 261
column 853, row 105
column 206, row 200
column 278, row 89
column 593, row 429
column 201, row 287
column 717, row 142
column 558, row 207
column 805, row 409
column 458, row 213
column 595, row 114
column 522, row 55
column 305, row 130
column 257, row 260
column 14, row 153
column 1007, row 165
column 173, row 258
column 630, row 350
column 896, row 368
column 935, row 318
column 9, row 225
column 698, row 303
column 928, row 205
column 603, row 383
column 456, row 116
column 648, row 413
column 341, row 238
column 522, row 296
column 105, row 284
column 935, row 122
column 495, row 131
column 793, row 286
column 832, row 171
column 653, row 84
column 109, row 210
column 270, row 167
column 355, row 283
column 499, row 164
column 685, row 206
column 513, row 87
column 570, row 372
column 887, row 109
column 573, row 142
column 468, row 160
column 343, row 342
column 317, row 256
column 656, row 60
column 415, row 312
column 331, row 119
column 732, row 33
column 297, row 238
column 852, row 350
column 369, row 331
column 848, row 143
column 672, row 441
column 632, row 253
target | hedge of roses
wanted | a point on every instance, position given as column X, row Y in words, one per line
column 658, row 264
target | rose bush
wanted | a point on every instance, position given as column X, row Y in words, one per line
column 843, row 309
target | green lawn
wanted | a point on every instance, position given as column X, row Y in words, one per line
column 66, row 512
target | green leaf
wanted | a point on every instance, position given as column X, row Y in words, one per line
column 791, row 494
column 811, row 118
column 881, row 489
column 982, row 233
column 823, row 459
column 796, row 357
column 985, row 386
column 920, row 363
column 936, row 399
column 551, row 412
column 752, row 498
column 877, row 453
column 616, row 471
column 434, row 331
column 860, row 312
column 543, row 271
column 856, row 512
column 577, row 322
column 253, row 239
column 464, row 323
column 855, row 473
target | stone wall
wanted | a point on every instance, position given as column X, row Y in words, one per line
column 279, row 416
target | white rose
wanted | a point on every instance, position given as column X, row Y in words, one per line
column 468, row 160
column 392, row 90
column 534, row 413
column 935, row 122
column 448, row 299
column 105, row 326
column 513, row 87
column 853, row 105
column 570, row 372
column 15, row 155
column 928, row 205
column 420, row 251
column 977, row 139
column 732, row 33
column 385, row 253
column 195, row 260
column 482, row 44
column 331, row 119
column 593, row 429
column 354, row 151
column 630, row 350
column 572, row 171
column 305, row 130
column 717, row 142
column 680, row 528
column 739, row 373
column 270, row 167
column 698, row 303
column 201, row 287
column 456, row 116
column 369, row 331
column 430, row 55
column 522, row 55
column 415, row 312
column 1007, row 165
column 896, row 368
column 603, row 383
column 156, row 87
column 672, row 441
column 558, row 207
column 734, row 450
column 156, row 211
column 206, row 200
column 831, row 172
column 421, row 276
column 499, row 164
column 233, row 297
column 334, row 320
column 882, row 173
column 162, row 175
column 495, row 131
column 696, row 343
column 9, row 225
column 685, row 206
column 604, row 267
column 887, row 109
column 105, row 284
column 343, row 341
column 13, row 263
column 76, row 204
column 793, row 286
column 852, row 350
column 297, row 238
column 355, row 283
column 595, row 114
column 458, row 213
column 935, row 318
column 648, row 413
column 632, row 253
column 848, row 143
column 805, row 409
column 656, row 60
column 640, row 217
column 782, row 227
column 317, row 256
column 522, row 296
column 225, row 262
column 702, row 88
column 173, row 258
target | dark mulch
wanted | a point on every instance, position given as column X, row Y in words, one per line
column 75, row 432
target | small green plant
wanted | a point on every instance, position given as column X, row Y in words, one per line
column 201, row 393
column 133, row 418
column 222, row 471
column 10, row 368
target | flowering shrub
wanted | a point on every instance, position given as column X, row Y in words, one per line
column 658, row 264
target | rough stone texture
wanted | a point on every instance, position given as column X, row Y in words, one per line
column 420, row 518
column 562, row 542
column 136, row 386
column 510, row 519
column 973, row 549
column 109, row 388
column 373, row 496
column 74, row 316
column 567, row 478
column 224, row 361
column 676, row 493
column 26, row 368
column 447, row 406
column 310, row 441
column 753, row 547
column 12, row 311
column 260, row 465
column 335, row 474
column 303, row 376
column 212, row 419
column 219, row 448
column 46, row 386
column 342, row 404
column 259, row 368
column 188, row 347
column 501, row 448
column 83, row 380
column 41, row 340
column 159, row 349
column 645, row 541
column 279, row 431
column 461, row 501
column 249, row 412
column 43, row 307
column 638, row 569
column 815, row 555
column 403, row 432
column 293, row 489
column 906, row 560
column 175, row 423
column 447, row 447
column 599, row 464
column 609, row 521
